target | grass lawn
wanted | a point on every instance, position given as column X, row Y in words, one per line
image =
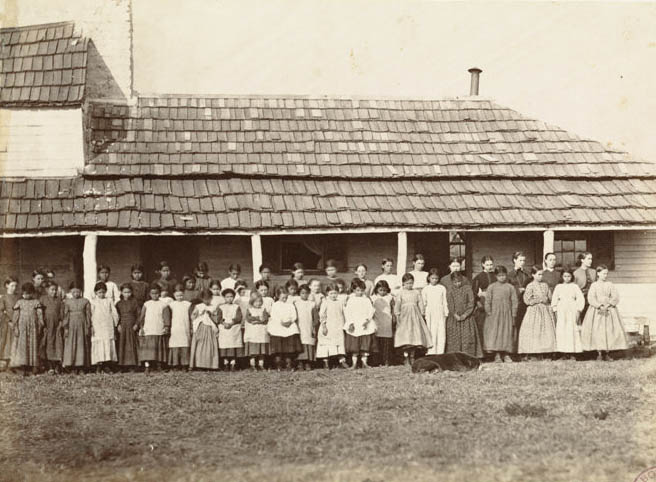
column 541, row 421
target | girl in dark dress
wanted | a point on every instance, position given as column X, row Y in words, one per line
column 77, row 328
column 128, row 316
column 27, row 326
column 52, row 342
column 7, row 303
column 479, row 287
column 138, row 285
column 461, row 329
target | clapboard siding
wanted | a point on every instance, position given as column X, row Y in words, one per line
column 41, row 143
column 635, row 257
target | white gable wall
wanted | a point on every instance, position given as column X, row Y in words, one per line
column 41, row 142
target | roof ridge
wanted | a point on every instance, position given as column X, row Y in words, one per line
column 311, row 97
column 38, row 25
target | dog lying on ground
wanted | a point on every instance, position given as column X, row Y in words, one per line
column 458, row 362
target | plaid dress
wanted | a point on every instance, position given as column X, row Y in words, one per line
column 462, row 336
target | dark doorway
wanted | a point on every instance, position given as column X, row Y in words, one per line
column 435, row 248
column 181, row 252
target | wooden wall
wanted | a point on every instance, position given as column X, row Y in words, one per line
column 635, row 257
column 501, row 247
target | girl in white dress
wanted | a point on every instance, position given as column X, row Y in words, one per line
column 104, row 319
column 231, row 346
column 568, row 302
column 392, row 280
column 330, row 339
column 434, row 297
column 180, row 339
column 112, row 292
column 360, row 328
column 418, row 273
column 256, row 338
column 284, row 338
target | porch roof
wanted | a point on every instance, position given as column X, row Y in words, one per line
column 260, row 205
column 42, row 65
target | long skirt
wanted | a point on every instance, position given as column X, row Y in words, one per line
column 308, row 353
column 437, row 328
column 128, row 347
column 178, row 356
column 53, row 342
column 411, row 330
column 153, row 348
column 603, row 331
column 537, row 334
column 285, row 345
column 204, row 351
column 568, row 332
column 385, row 349
column 6, row 337
column 103, row 350
column 463, row 336
column 355, row 345
column 77, row 346
column 25, row 351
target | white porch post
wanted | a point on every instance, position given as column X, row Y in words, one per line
column 256, row 253
column 89, row 263
column 401, row 253
column 548, row 245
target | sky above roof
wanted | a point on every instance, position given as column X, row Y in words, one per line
column 587, row 67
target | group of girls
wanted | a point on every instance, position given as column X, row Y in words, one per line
column 547, row 311
column 203, row 323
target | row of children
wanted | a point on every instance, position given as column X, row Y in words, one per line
column 210, row 320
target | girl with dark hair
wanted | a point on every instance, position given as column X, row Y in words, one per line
column 501, row 309
column 411, row 332
column 420, row 276
column 461, row 329
column 297, row 273
column 567, row 303
column 284, row 338
column 383, row 303
column 392, row 280
column 52, row 343
column 434, row 297
column 360, row 327
column 77, row 327
column 27, row 325
column 138, row 285
column 584, row 276
column 205, row 319
column 480, row 284
column 550, row 274
column 128, row 310
column 537, row 334
column 104, row 319
column 7, row 303
column 202, row 276
column 330, row 338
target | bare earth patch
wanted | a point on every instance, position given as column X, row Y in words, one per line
column 542, row 421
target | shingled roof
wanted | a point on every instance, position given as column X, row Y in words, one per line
column 42, row 65
column 342, row 138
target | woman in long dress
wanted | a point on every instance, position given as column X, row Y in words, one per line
column 602, row 328
column 537, row 334
column 568, row 302
column 434, row 298
column 480, row 284
column 411, row 330
column 461, row 329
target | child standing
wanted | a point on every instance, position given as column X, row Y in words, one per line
column 190, row 292
column 38, row 278
column 256, row 338
column 234, row 270
column 360, row 327
column 480, row 284
column 205, row 319
column 50, row 277
column 7, row 303
column 461, row 328
column 283, row 331
column 180, row 338
column 77, row 326
column 262, row 287
column 128, row 310
column 361, row 272
column 242, row 297
column 155, row 324
column 537, row 333
column 420, row 276
column 434, row 297
column 231, row 346
column 501, row 304
column 308, row 322
column 215, row 289
column 202, row 276
column 315, row 292
column 112, row 292
column 383, row 303
column 602, row 328
column 28, row 323
column 411, row 330
column 138, row 285
column 297, row 273
column 104, row 319
column 342, row 290
column 330, row 339
column 166, row 278
column 291, row 287
column 568, row 303
column 392, row 280
column 52, row 341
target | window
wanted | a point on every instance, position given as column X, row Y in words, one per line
column 569, row 244
column 458, row 247
column 312, row 251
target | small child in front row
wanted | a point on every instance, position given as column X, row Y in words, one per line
column 383, row 303
column 567, row 302
column 129, row 311
column 330, row 338
column 180, row 338
column 602, row 328
column 256, row 338
column 501, row 305
column 537, row 334
column 155, row 323
column 27, row 324
column 52, row 340
column 205, row 318
column 284, row 339
column 308, row 322
column 104, row 319
column 77, row 326
column 360, row 327
column 231, row 346
column 411, row 331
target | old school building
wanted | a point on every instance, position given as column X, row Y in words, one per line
column 93, row 172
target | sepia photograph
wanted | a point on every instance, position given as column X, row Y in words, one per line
column 327, row 240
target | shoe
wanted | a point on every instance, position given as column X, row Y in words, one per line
column 507, row 359
column 51, row 371
column 497, row 358
column 600, row 357
column 343, row 364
